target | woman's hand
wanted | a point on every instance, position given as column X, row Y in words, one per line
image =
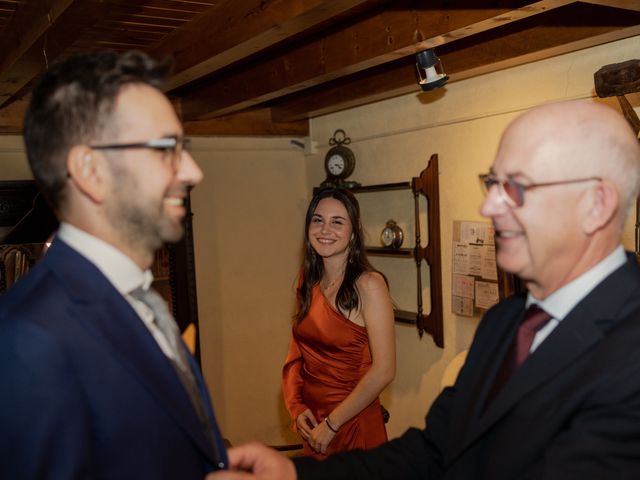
column 306, row 422
column 321, row 437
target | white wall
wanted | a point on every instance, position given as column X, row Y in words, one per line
column 13, row 161
column 248, row 226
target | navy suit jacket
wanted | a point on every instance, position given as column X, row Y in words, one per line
column 571, row 411
column 85, row 391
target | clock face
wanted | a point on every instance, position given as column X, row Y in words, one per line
column 391, row 235
column 387, row 237
column 335, row 164
column 339, row 163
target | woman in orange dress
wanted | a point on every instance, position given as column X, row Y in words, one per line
column 342, row 351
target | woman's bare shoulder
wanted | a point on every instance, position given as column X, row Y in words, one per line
column 371, row 282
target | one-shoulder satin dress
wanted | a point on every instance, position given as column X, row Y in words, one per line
column 328, row 355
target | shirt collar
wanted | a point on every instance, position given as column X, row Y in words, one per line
column 562, row 301
column 119, row 269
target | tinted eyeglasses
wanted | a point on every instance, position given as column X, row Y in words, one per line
column 171, row 148
column 512, row 191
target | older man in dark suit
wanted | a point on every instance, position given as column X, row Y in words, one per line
column 551, row 384
column 95, row 381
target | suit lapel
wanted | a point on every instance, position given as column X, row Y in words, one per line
column 106, row 314
column 570, row 339
column 482, row 363
column 585, row 325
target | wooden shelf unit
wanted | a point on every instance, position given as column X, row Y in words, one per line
column 425, row 184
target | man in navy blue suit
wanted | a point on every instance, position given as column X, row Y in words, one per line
column 94, row 380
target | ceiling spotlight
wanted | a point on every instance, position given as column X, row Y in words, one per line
column 430, row 70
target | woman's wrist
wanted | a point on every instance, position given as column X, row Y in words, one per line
column 330, row 425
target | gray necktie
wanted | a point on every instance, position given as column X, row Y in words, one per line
column 167, row 325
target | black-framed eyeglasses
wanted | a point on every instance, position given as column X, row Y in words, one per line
column 512, row 191
column 171, row 147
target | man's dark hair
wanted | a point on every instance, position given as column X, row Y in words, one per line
column 73, row 103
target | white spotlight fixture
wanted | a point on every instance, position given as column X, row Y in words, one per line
column 430, row 70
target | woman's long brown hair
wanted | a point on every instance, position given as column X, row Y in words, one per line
column 347, row 298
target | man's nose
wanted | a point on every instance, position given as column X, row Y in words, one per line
column 493, row 203
column 189, row 172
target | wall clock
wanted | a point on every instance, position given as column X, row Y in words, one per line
column 339, row 162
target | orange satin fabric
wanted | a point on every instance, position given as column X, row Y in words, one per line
column 328, row 356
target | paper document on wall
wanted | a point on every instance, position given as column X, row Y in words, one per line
column 475, row 275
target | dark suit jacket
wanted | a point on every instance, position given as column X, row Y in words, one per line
column 572, row 410
column 85, row 391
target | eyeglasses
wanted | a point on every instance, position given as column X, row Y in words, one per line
column 171, row 148
column 512, row 191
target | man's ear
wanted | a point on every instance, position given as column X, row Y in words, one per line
column 85, row 169
column 602, row 206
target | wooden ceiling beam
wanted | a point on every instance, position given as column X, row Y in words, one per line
column 240, row 28
column 11, row 117
column 252, row 122
column 395, row 32
column 42, row 40
column 363, row 49
column 535, row 44
column 596, row 37
column 28, row 23
column 623, row 4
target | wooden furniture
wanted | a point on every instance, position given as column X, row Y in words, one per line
column 26, row 222
column 425, row 184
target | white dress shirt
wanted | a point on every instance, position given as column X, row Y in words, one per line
column 120, row 270
column 562, row 301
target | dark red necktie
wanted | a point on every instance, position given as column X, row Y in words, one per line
column 534, row 319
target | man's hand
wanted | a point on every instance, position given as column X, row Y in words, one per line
column 254, row 461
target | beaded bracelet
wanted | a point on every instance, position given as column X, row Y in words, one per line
column 334, row 430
